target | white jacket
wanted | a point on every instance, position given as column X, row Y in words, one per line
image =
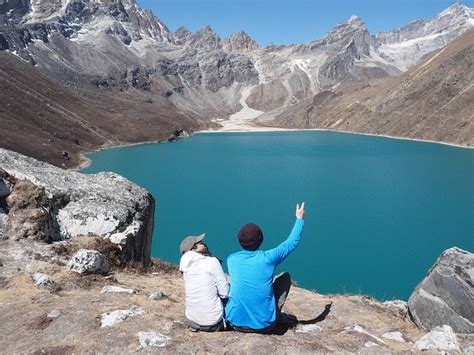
column 204, row 284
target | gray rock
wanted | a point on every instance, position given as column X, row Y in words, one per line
column 110, row 319
column 241, row 42
column 307, row 328
column 358, row 329
column 370, row 344
column 156, row 296
column 153, row 339
column 3, row 220
column 439, row 339
column 446, row 295
column 5, row 186
column 29, row 213
column 399, row 306
column 395, row 336
column 117, row 289
column 54, row 313
column 42, row 280
column 88, row 262
column 103, row 204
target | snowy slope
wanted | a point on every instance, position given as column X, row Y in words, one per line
column 405, row 46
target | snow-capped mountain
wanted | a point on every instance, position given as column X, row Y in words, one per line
column 115, row 44
column 405, row 46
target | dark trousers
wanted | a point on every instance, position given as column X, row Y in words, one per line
column 281, row 288
column 205, row 328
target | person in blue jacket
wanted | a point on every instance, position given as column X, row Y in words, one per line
column 256, row 297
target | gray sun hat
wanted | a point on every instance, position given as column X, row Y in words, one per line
column 188, row 242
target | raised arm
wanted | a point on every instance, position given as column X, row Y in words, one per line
column 278, row 254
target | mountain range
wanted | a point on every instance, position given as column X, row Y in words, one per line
column 81, row 74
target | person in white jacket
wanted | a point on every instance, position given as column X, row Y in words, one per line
column 205, row 285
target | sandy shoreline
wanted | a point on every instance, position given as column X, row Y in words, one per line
column 256, row 129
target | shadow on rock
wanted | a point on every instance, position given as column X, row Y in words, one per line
column 289, row 321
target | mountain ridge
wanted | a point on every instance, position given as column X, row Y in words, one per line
column 117, row 48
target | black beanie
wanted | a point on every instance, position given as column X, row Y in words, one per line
column 250, row 236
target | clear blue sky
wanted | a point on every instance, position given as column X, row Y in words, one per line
column 290, row 21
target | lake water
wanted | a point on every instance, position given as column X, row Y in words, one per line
column 379, row 210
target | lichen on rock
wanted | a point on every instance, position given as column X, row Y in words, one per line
column 48, row 203
column 89, row 262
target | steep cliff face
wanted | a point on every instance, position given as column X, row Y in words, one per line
column 47, row 203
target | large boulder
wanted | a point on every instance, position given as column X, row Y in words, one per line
column 446, row 295
column 56, row 204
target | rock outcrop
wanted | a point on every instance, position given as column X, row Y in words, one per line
column 48, row 203
column 446, row 295
column 42, row 280
column 89, row 262
column 153, row 339
column 440, row 339
column 112, row 318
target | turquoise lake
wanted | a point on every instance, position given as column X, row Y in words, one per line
column 379, row 211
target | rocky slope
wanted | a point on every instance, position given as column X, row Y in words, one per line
column 44, row 119
column 118, row 64
column 130, row 311
column 432, row 101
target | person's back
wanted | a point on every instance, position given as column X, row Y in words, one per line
column 252, row 305
column 252, row 302
column 203, row 304
column 205, row 284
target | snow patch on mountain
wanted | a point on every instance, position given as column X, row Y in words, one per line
column 44, row 11
column 405, row 46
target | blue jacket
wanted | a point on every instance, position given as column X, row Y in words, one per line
column 251, row 301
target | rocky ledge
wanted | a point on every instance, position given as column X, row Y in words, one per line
column 48, row 306
column 39, row 201
column 65, row 237
column 446, row 295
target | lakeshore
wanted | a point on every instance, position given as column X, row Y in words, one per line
column 85, row 161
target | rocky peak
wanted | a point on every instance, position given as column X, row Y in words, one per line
column 352, row 30
column 123, row 18
column 349, row 36
column 454, row 20
column 182, row 36
column 355, row 21
column 206, row 38
column 457, row 10
column 406, row 45
column 239, row 41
